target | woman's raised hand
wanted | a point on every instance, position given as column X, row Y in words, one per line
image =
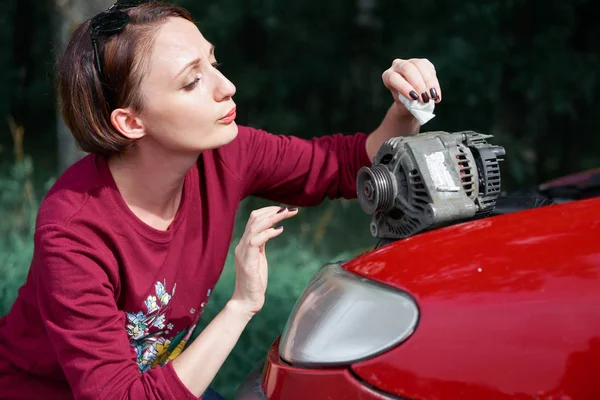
column 415, row 78
column 250, row 257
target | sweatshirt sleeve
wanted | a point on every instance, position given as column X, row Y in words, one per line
column 296, row 171
column 76, row 291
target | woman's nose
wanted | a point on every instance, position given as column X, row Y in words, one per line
column 224, row 89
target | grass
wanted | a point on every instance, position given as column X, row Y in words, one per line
column 333, row 231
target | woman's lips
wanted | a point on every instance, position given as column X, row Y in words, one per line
column 229, row 118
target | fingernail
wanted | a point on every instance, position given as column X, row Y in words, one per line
column 278, row 227
column 282, row 209
column 293, row 208
column 414, row 95
column 425, row 97
column 434, row 94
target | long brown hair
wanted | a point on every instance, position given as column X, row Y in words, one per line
column 85, row 105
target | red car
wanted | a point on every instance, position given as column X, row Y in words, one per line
column 504, row 304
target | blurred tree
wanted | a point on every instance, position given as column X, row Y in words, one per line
column 524, row 70
column 69, row 14
column 24, row 27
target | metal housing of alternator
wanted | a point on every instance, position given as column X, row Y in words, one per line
column 427, row 180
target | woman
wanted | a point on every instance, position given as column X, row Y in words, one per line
column 131, row 240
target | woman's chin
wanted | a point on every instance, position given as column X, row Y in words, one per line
column 222, row 136
column 227, row 133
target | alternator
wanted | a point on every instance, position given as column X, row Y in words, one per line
column 428, row 180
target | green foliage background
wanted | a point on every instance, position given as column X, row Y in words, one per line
column 525, row 71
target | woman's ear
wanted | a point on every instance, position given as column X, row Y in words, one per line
column 127, row 123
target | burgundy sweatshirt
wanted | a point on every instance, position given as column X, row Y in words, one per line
column 109, row 300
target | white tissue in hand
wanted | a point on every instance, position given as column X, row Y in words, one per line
column 423, row 112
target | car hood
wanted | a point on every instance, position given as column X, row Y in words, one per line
column 509, row 307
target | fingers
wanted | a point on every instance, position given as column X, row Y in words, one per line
column 398, row 84
column 428, row 73
column 264, row 219
column 415, row 78
column 264, row 236
column 408, row 71
column 259, row 213
column 267, row 220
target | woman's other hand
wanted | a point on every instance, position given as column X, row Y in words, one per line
column 250, row 257
column 415, row 78
column 197, row 365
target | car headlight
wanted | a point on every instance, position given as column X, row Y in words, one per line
column 342, row 318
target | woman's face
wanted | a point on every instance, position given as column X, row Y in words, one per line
column 188, row 105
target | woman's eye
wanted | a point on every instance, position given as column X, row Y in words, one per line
column 192, row 85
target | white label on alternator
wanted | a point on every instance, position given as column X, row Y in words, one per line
column 439, row 173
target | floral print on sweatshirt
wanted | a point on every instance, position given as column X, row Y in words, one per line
column 150, row 334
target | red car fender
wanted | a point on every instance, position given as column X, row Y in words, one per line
column 509, row 308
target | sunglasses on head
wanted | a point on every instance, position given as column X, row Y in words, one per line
column 109, row 23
